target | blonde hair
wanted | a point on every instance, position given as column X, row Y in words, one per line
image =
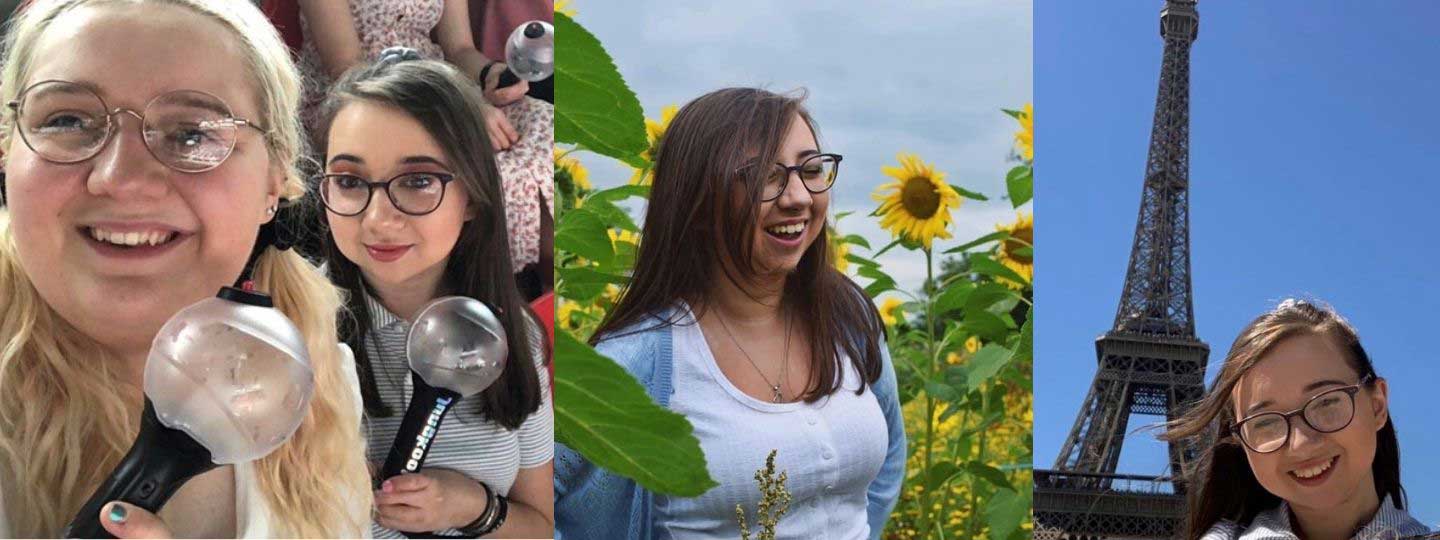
column 316, row 484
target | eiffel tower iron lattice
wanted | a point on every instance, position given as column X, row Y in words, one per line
column 1150, row 362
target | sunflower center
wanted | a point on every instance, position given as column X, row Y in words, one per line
column 920, row 198
column 1027, row 234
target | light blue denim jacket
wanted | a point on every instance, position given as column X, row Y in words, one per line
column 592, row 503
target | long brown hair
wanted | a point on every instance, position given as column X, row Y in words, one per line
column 1227, row 488
column 449, row 107
column 692, row 204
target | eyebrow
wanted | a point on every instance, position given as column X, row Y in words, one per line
column 408, row 160
column 347, row 157
column 1309, row 387
column 411, row 160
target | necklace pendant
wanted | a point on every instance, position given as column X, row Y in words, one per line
column 779, row 397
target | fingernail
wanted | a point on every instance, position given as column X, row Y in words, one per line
column 387, row 486
column 117, row 513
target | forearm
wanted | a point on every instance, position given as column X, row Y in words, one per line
column 469, row 59
column 525, row 521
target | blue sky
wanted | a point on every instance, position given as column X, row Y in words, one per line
column 1313, row 151
column 927, row 76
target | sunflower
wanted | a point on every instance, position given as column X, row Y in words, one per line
column 562, row 315
column 1023, row 233
column 972, row 344
column 890, row 311
column 563, row 6
column 838, row 248
column 841, row 250
column 917, row 206
column 568, row 168
column 1025, row 138
column 654, row 131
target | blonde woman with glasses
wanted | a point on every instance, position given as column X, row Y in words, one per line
column 146, row 143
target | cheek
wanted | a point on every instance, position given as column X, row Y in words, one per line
column 346, row 233
column 1266, row 468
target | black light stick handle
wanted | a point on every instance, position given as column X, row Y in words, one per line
column 159, row 462
column 507, row 79
column 428, row 406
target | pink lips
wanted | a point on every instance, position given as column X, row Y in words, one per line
column 386, row 253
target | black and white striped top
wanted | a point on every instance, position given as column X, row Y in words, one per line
column 466, row 443
column 1389, row 523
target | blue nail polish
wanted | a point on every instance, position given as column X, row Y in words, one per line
column 117, row 513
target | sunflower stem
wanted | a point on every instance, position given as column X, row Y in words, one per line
column 934, row 354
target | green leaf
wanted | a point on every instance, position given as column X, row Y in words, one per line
column 986, row 363
column 612, row 216
column 939, row 474
column 953, row 297
column 584, row 284
column 1013, row 113
column 583, row 232
column 605, row 415
column 990, row 474
column 620, row 193
column 1026, row 349
column 981, row 263
column 1020, row 182
column 880, row 285
column 989, row 326
column 998, row 235
column 857, row 240
column 942, row 391
column 1005, row 510
column 1026, row 251
column 597, row 109
column 862, row 261
column 969, row 194
column 887, row 248
column 985, row 295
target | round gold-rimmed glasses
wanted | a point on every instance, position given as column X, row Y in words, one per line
column 187, row 130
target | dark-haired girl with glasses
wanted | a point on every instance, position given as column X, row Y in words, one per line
column 416, row 213
column 141, row 177
column 736, row 318
column 1303, row 442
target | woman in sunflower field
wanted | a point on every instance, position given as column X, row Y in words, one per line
column 736, row 318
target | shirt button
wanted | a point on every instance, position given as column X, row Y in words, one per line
column 827, row 455
column 829, row 488
column 813, row 421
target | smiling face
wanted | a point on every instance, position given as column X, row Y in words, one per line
column 787, row 226
column 1313, row 471
column 195, row 231
column 393, row 249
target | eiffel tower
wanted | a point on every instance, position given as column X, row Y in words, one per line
column 1150, row 362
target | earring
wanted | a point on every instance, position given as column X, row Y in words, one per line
column 270, row 210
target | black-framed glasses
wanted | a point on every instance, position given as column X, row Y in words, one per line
column 817, row 172
column 1327, row 412
column 187, row 130
column 413, row 193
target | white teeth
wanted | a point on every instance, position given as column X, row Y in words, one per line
column 794, row 228
column 1313, row 471
column 151, row 238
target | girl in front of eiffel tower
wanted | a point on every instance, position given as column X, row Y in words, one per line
column 1303, row 442
column 736, row 318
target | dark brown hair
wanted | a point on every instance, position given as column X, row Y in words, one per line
column 449, row 107
column 692, row 204
column 1221, row 484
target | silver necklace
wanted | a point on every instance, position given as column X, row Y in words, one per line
column 777, row 395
